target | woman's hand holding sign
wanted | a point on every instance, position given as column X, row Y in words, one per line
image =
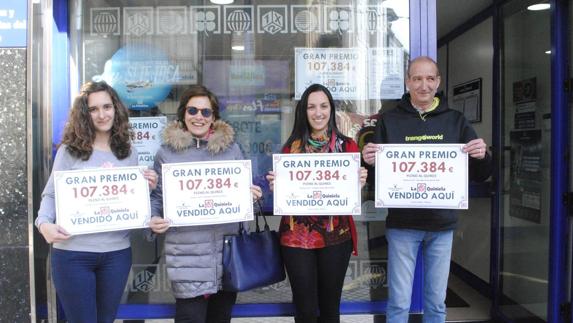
column 151, row 177
column 271, row 179
column 363, row 176
column 53, row 232
column 257, row 192
column 159, row 224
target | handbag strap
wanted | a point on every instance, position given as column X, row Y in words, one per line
column 257, row 217
column 257, row 227
column 260, row 213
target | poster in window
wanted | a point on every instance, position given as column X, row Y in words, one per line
column 385, row 73
column 467, row 99
column 525, row 90
column 525, row 177
column 13, row 25
column 257, row 134
column 341, row 70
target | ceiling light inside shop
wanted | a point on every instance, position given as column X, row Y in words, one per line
column 547, row 52
column 539, row 6
column 222, row 1
column 238, row 41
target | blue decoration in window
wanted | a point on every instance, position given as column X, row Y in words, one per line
column 141, row 75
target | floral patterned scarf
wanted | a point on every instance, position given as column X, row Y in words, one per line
column 321, row 144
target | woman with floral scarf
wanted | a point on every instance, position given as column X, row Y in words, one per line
column 316, row 249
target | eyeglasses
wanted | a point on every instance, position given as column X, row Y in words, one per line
column 204, row 112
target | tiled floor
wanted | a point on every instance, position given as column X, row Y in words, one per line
column 343, row 319
column 479, row 305
column 478, row 310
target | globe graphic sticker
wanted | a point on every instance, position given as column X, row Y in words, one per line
column 239, row 20
column 305, row 21
column 105, row 23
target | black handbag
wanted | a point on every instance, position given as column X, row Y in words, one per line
column 252, row 259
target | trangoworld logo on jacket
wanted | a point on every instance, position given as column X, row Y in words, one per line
column 424, row 137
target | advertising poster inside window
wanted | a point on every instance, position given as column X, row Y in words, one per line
column 251, row 95
column 467, row 99
column 525, row 194
column 385, row 73
column 13, row 23
column 341, row 70
column 146, row 137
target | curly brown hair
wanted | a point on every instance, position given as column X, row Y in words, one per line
column 79, row 133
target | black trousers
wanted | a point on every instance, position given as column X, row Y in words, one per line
column 316, row 277
column 214, row 309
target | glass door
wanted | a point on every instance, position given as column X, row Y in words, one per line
column 526, row 105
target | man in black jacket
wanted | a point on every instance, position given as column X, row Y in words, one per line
column 423, row 117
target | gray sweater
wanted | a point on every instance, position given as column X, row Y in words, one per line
column 94, row 242
column 193, row 254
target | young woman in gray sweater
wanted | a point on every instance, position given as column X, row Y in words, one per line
column 90, row 270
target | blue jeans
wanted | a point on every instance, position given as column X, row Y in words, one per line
column 403, row 247
column 90, row 284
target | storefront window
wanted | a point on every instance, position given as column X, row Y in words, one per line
column 257, row 57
